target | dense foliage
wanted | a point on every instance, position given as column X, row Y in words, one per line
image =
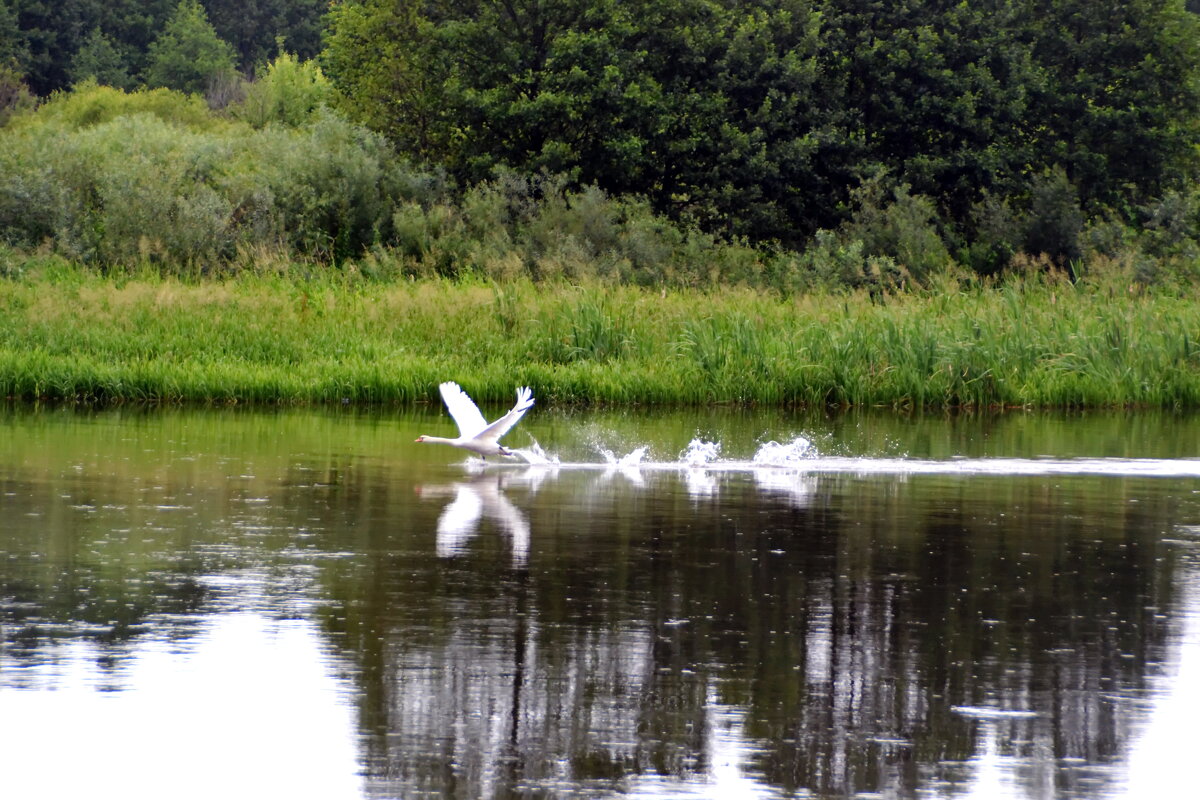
column 760, row 118
column 786, row 143
column 51, row 41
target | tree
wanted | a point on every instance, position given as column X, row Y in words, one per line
column 99, row 58
column 383, row 56
column 288, row 91
column 1120, row 109
column 255, row 27
column 188, row 55
column 759, row 119
column 51, row 33
column 716, row 113
column 14, row 52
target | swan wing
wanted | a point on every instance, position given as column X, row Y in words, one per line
column 503, row 425
column 463, row 410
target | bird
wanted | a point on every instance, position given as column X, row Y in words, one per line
column 474, row 432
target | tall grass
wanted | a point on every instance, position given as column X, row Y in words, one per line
column 68, row 333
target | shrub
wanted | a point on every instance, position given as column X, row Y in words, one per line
column 1054, row 225
column 290, row 91
column 108, row 177
column 899, row 226
column 15, row 96
column 92, row 104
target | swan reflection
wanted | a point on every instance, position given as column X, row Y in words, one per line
column 472, row 502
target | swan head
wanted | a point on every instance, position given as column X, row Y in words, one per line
column 420, row 439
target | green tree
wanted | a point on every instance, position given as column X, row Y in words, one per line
column 716, row 112
column 254, row 27
column 939, row 92
column 99, row 58
column 1120, row 108
column 188, row 55
column 14, row 52
column 383, row 56
column 50, row 34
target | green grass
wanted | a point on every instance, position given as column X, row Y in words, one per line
column 67, row 333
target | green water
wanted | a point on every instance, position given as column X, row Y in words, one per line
column 298, row 603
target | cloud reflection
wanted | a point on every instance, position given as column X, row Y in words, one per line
column 249, row 708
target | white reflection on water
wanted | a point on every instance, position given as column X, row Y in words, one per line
column 1161, row 762
column 246, row 709
column 483, row 498
column 730, row 754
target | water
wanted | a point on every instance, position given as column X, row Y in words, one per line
column 701, row 604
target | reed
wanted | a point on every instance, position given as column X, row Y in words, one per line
column 70, row 334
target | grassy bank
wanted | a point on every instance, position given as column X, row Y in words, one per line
column 70, row 334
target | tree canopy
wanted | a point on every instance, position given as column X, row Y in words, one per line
column 189, row 55
column 759, row 118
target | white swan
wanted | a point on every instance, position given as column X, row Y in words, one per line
column 474, row 432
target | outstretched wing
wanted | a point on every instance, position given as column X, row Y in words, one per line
column 503, row 425
column 463, row 409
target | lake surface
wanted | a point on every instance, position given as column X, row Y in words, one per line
column 295, row 604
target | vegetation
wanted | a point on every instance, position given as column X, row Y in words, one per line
column 48, row 38
column 759, row 119
column 994, row 128
column 189, row 55
column 916, row 164
column 70, row 334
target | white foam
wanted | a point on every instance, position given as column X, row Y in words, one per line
column 534, row 454
column 800, row 456
column 795, row 453
column 699, row 452
column 631, row 459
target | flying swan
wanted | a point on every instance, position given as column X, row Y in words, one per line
column 474, row 432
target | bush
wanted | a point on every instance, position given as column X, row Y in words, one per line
column 535, row 227
column 108, row 178
column 289, row 92
column 14, row 94
column 898, row 226
column 1054, row 224
column 92, row 104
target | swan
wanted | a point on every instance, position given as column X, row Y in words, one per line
column 474, row 432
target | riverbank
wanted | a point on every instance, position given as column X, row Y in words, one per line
column 70, row 334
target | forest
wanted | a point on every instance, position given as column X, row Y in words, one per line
column 786, row 143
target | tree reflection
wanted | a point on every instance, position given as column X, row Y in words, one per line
column 845, row 621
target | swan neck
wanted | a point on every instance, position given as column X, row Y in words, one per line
column 436, row 440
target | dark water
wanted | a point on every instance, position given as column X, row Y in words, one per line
column 307, row 604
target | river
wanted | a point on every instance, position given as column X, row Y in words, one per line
column 687, row 604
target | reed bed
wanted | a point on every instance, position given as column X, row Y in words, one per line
column 74, row 335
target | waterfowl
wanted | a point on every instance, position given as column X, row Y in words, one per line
column 474, row 432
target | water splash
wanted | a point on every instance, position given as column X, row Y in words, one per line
column 794, row 453
column 534, row 454
column 699, row 452
column 632, row 459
